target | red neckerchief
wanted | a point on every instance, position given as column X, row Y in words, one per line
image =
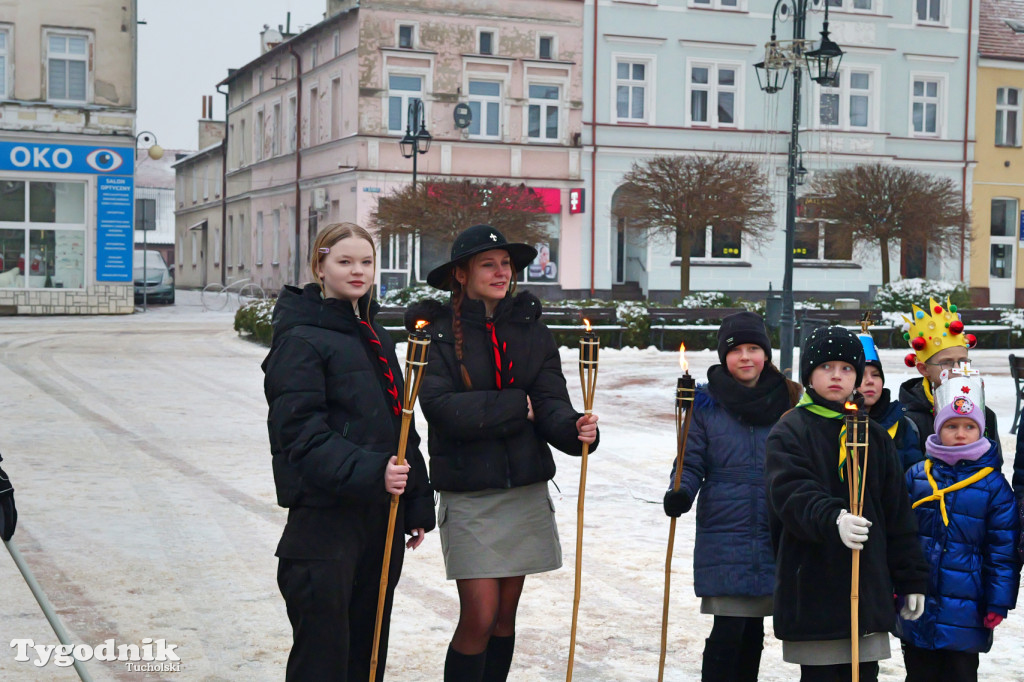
column 499, row 349
column 385, row 366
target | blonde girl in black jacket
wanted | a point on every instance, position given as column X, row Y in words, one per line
column 495, row 398
column 333, row 384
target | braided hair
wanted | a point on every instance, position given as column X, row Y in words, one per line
column 458, row 295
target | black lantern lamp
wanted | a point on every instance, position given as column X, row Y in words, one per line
column 408, row 144
column 423, row 138
column 823, row 63
column 801, row 172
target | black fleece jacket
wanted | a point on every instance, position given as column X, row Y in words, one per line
column 479, row 437
column 331, row 424
column 813, row 566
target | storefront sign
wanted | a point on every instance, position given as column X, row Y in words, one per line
column 65, row 158
column 577, row 200
column 114, row 249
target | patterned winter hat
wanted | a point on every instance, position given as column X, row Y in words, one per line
column 831, row 343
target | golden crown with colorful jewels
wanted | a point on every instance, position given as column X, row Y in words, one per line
column 933, row 330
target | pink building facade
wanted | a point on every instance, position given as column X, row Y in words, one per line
column 314, row 124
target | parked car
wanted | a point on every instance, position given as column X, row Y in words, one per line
column 153, row 277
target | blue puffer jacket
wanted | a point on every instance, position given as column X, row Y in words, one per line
column 973, row 566
column 906, row 439
column 725, row 462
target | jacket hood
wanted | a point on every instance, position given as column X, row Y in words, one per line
column 886, row 411
column 306, row 306
column 912, row 395
column 523, row 307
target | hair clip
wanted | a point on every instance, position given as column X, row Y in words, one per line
column 324, row 249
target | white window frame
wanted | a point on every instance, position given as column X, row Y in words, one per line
column 69, row 33
column 943, row 19
column 6, row 72
column 1002, row 109
column 259, row 238
column 480, row 30
column 239, row 233
column 734, row 5
column 649, row 63
column 844, row 92
column 502, row 81
column 275, row 247
column 216, row 246
column 258, row 133
column 939, row 101
column 713, row 89
column 275, row 132
column 406, row 95
column 561, row 103
column 849, row 6
column 414, row 38
column 554, row 45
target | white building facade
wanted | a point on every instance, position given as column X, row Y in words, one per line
column 677, row 77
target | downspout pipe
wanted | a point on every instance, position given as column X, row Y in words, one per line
column 593, row 158
column 967, row 115
column 298, row 161
column 224, row 188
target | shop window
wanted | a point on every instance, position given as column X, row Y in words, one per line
column 38, row 258
column 723, row 241
column 544, row 268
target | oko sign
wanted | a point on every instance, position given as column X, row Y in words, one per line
column 35, row 157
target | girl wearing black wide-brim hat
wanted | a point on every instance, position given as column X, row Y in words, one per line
column 496, row 400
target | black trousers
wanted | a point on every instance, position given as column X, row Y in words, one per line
column 838, row 673
column 332, row 606
column 926, row 665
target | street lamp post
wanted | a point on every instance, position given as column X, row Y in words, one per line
column 155, row 152
column 823, row 67
column 417, row 139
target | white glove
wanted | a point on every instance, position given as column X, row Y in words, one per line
column 853, row 530
column 913, row 607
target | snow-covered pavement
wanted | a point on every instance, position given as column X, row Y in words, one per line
column 137, row 446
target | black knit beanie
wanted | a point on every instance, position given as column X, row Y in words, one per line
column 877, row 365
column 740, row 328
column 831, row 343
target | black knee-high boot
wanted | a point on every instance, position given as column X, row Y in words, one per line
column 462, row 667
column 719, row 661
column 499, row 658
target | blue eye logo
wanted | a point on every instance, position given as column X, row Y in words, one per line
column 104, row 160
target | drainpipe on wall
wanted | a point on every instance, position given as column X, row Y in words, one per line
column 298, row 158
column 593, row 158
column 967, row 112
column 223, row 188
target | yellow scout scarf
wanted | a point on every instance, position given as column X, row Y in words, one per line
column 940, row 494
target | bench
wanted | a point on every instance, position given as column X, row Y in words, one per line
column 686, row 320
column 991, row 322
column 391, row 317
column 848, row 319
column 1017, row 374
column 571, row 319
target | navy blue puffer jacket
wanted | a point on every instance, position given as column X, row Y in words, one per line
column 724, row 461
column 973, row 565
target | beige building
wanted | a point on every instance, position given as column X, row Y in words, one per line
column 200, row 240
column 67, row 119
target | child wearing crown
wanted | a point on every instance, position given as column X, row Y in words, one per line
column 967, row 523
column 939, row 342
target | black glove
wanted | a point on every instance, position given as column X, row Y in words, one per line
column 8, row 512
column 676, row 502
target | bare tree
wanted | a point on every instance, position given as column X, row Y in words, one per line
column 680, row 196
column 884, row 204
column 442, row 208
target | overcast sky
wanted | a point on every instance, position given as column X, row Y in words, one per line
column 186, row 48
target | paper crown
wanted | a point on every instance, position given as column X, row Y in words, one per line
column 933, row 330
column 958, row 383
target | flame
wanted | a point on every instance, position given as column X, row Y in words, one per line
column 852, row 407
column 420, row 324
column 683, row 364
column 587, row 323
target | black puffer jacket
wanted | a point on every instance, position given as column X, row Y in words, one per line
column 813, row 567
column 481, row 438
column 919, row 409
column 332, row 426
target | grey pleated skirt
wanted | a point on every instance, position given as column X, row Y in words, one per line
column 498, row 533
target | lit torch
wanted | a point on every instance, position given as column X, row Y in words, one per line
column 685, row 387
column 855, row 444
column 590, row 344
column 415, row 362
